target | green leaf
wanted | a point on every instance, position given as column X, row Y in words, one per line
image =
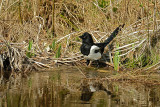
column 69, row 22
column 115, row 9
column 103, row 3
column 29, row 53
column 58, row 52
column 53, row 45
column 30, row 45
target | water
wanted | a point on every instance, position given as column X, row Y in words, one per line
column 66, row 87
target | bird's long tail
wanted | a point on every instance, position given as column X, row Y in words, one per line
column 113, row 35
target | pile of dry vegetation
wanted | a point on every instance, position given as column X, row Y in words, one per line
column 44, row 33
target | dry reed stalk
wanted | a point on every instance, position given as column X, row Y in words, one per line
column 1, row 6
column 40, row 28
column 53, row 18
column 153, row 66
column 148, row 26
column 35, row 8
column 6, row 10
column 19, row 11
column 111, row 11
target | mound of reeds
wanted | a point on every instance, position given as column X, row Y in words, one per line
column 41, row 34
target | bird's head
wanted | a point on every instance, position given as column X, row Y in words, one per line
column 86, row 38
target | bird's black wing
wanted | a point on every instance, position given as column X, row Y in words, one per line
column 85, row 49
column 101, row 46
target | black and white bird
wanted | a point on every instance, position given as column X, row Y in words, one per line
column 93, row 51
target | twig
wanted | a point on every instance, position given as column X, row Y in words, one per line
column 125, row 30
column 70, row 13
column 67, row 45
column 40, row 64
column 153, row 66
column 9, row 7
column 102, row 37
column 157, row 68
column 96, row 4
column 133, row 48
column 1, row 5
column 94, row 37
column 65, row 37
column 1, row 65
column 127, row 45
column 39, row 30
column 142, row 49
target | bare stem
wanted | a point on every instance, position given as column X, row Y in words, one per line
column 154, row 17
column 148, row 26
column 53, row 27
column 1, row 6
column 19, row 10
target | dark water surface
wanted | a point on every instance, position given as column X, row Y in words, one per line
column 65, row 88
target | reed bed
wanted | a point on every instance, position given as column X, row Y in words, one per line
column 43, row 34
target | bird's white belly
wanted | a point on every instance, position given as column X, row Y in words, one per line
column 92, row 55
column 95, row 56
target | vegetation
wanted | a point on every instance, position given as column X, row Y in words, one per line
column 43, row 35
column 49, row 30
column 29, row 53
column 116, row 60
column 58, row 52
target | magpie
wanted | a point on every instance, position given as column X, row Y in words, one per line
column 93, row 51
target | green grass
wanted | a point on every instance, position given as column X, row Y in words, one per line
column 69, row 22
column 53, row 45
column 29, row 53
column 103, row 3
column 58, row 54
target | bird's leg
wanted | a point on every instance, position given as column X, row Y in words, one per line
column 97, row 62
column 88, row 63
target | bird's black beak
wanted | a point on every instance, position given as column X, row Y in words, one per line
column 80, row 37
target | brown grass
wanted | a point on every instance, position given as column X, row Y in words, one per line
column 21, row 21
column 69, row 16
